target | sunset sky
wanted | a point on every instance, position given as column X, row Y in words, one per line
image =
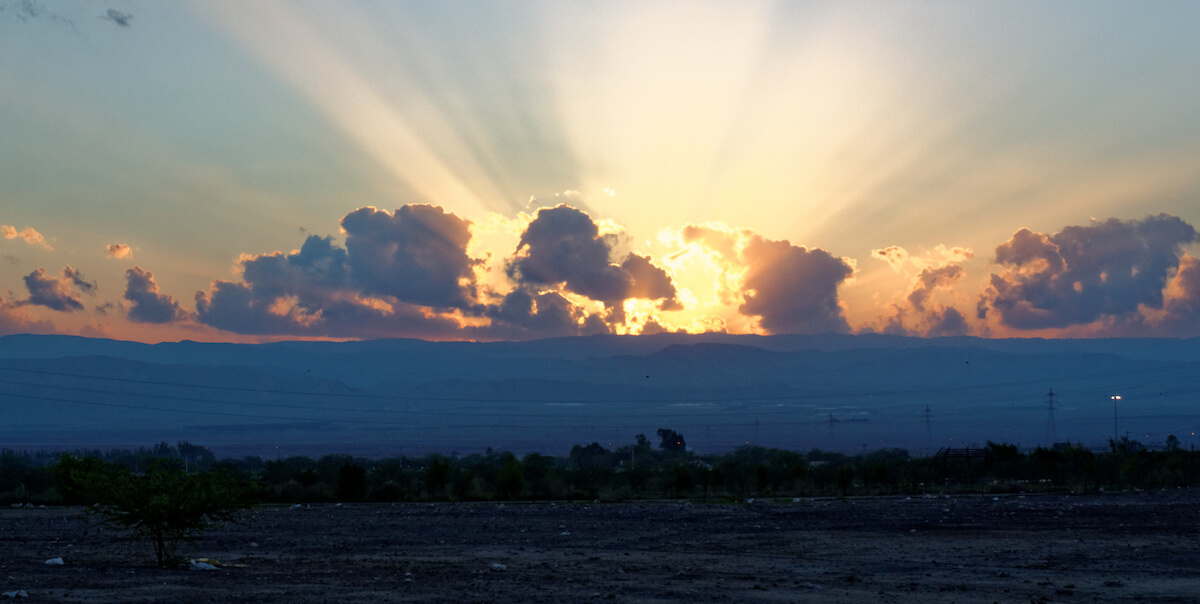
column 250, row 171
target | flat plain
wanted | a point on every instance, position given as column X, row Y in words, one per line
column 1118, row 547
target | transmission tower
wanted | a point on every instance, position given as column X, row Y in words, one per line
column 1050, row 417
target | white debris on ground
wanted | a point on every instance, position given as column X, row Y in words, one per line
column 19, row 593
column 202, row 566
column 498, row 567
column 55, row 561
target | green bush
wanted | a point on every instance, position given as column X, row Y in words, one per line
column 165, row 505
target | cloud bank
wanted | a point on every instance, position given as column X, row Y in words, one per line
column 1107, row 272
column 424, row 272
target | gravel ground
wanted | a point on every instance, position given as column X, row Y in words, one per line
column 1051, row 548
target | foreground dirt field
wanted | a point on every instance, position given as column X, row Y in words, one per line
column 1095, row 548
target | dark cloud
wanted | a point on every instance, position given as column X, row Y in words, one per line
column 945, row 322
column 417, row 255
column 1085, row 273
column 395, row 270
column 794, row 289
column 547, row 314
column 55, row 293
column 149, row 306
column 317, row 269
column 76, row 278
column 564, row 246
column 918, row 314
column 401, row 274
column 118, row 17
column 791, row 289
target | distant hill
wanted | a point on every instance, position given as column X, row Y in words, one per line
column 382, row 397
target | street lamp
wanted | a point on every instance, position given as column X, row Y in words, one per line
column 1115, row 398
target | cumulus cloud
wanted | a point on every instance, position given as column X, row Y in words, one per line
column 1107, row 271
column 409, row 273
column 789, row 288
column 149, row 306
column 417, row 255
column 546, row 314
column 118, row 250
column 1180, row 315
column 57, row 293
column 29, row 234
column 917, row 312
column 400, row 274
column 563, row 245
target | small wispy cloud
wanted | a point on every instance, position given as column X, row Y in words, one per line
column 29, row 234
column 118, row 250
column 117, row 17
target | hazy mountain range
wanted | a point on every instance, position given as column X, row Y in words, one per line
column 385, row 397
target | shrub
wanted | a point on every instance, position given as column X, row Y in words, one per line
column 164, row 506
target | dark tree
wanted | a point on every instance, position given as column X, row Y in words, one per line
column 511, row 481
column 164, row 506
column 437, row 477
column 352, row 482
column 671, row 440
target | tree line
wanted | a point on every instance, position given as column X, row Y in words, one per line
column 641, row 470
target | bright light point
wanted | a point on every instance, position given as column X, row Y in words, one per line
column 610, row 192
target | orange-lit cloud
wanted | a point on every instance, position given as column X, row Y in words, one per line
column 29, row 234
column 118, row 250
column 917, row 312
column 786, row 288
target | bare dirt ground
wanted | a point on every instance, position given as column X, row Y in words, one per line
column 1095, row 548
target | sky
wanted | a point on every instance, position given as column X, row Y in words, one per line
column 256, row 171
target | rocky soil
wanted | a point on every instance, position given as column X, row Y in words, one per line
column 1058, row 548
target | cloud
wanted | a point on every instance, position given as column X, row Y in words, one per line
column 408, row 273
column 77, row 280
column 417, row 255
column 917, row 312
column 547, row 314
column 1107, row 271
column 1180, row 315
column 29, row 234
column 14, row 320
column 564, row 246
column 149, row 306
column 118, row 17
column 402, row 274
column 118, row 250
column 789, row 288
column 55, row 293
